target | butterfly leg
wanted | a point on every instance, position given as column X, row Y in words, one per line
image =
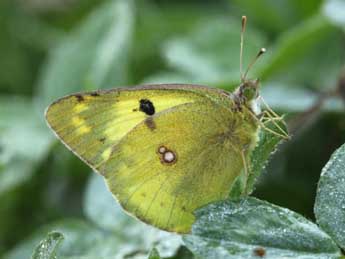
column 262, row 125
column 269, row 118
column 272, row 116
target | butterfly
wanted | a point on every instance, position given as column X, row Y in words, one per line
column 164, row 150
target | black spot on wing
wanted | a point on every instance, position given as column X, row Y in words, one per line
column 146, row 106
column 102, row 140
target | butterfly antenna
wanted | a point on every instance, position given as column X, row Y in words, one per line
column 244, row 22
column 261, row 51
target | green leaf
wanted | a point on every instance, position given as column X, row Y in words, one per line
column 24, row 141
column 250, row 227
column 154, row 254
column 47, row 248
column 330, row 199
column 94, row 55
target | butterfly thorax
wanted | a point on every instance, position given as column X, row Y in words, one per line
column 241, row 131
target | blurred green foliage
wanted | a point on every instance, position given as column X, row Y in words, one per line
column 52, row 48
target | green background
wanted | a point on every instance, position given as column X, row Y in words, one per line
column 51, row 48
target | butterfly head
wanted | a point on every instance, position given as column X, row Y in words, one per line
column 249, row 89
column 247, row 94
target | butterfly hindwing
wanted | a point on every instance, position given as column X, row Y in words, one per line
column 189, row 159
column 90, row 124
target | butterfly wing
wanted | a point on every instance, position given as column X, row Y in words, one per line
column 189, row 159
column 90, row 124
